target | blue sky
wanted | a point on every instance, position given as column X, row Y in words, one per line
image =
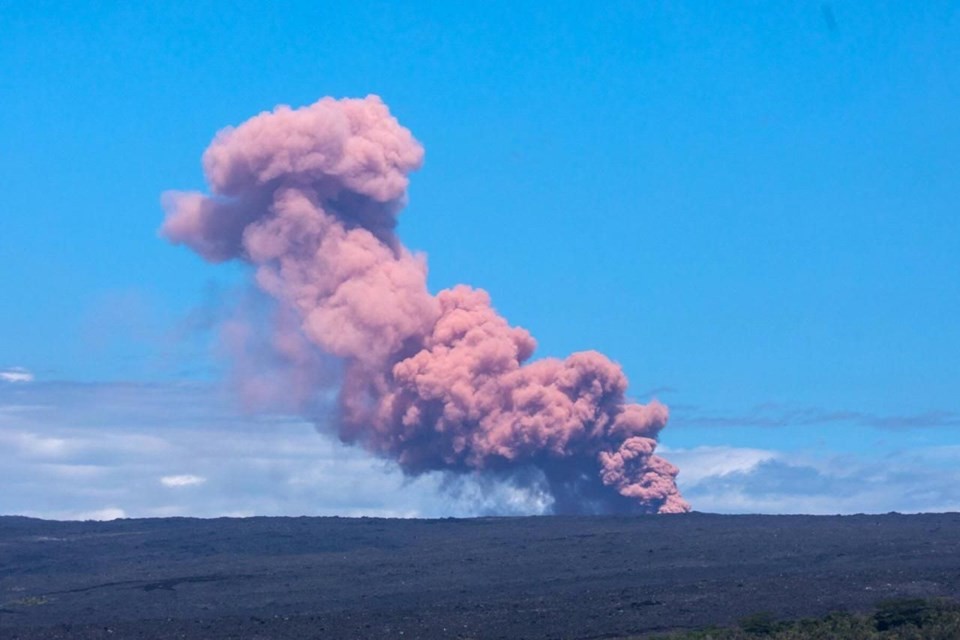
column 751, row 206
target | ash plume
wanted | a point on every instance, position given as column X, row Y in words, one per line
column 310, row 197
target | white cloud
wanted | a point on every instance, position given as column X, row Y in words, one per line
column 16, row 374
column 831, row 485
column 82, row 446
column 76, row 444
column 74, row 472
column 182, row 481
column 67, row 450
column 36, row 446
column 700, row 463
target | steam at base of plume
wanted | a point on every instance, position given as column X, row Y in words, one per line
column 310, row 198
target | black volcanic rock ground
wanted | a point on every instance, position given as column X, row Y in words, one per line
column 547, row 577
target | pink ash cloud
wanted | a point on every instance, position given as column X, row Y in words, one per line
column 310, row 197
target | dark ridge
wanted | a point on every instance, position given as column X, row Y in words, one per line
column 538, row 577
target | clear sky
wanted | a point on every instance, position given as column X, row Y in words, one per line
column 752, row 206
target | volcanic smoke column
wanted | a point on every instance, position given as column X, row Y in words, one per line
column 310, row 198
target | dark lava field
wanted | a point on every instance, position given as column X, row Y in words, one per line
column 540, row 577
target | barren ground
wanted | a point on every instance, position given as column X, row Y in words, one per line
column 544, row 577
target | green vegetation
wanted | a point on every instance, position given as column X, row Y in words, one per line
column 892, row 620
